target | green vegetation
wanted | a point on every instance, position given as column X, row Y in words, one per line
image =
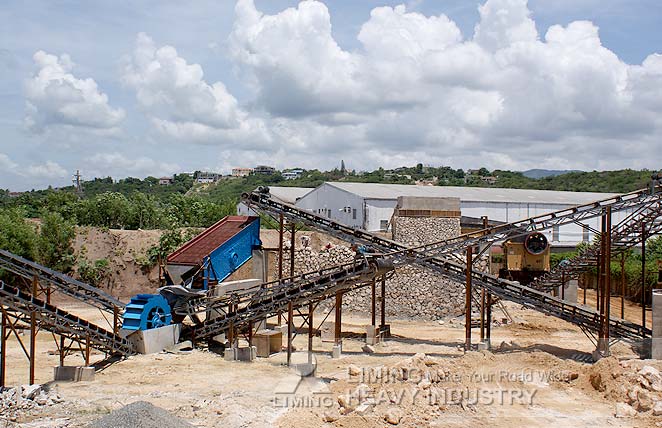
column 132, row 203
column 168, row 242
column 95, row 272
column 631, row 267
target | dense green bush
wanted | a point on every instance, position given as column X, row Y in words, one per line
column 55, row 242
column 17, row 235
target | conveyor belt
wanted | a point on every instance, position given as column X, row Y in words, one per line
column 624, row 236
column 270, row 298
column 63, row 283
column 630, row 201
column 63, row 323
column 508, row 290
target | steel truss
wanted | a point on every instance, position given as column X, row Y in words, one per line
column 429, row 255
column 624, row 236
column 71, row 287
column 58, row 321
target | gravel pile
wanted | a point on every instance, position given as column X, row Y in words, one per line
column 140, row 414
column 413, row 292
column 24, row 399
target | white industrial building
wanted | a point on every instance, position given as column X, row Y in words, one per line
column 288, row 195
column 370, row 206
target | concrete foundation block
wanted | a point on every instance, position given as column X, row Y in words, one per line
column 241, row 353
column 247, row 353
column 230, row 354
column 155, row 339
column 569, row 291
column 336, row 351
column 268, row 342
column 73, row 373
column 371, row 335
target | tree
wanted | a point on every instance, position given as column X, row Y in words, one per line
column 17, row 235
column 55, row 248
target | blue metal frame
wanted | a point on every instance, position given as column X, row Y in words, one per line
column 230, row 256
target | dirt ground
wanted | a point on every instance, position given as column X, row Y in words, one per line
column 527, row 379
column 539, row 370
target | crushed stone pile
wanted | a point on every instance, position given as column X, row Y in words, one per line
column 24, row 399
column 140, row 414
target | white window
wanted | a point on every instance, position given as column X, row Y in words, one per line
column 555, row 233
column 585, row 234
column 354, row 214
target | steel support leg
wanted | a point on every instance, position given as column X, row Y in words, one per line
column 311, row 332
column 62, row 351
column 643, row 276
column 482, row 314
column 290, row 326
column 382, row 326
column 87, row 350
column 281, row 227
column 292, row 242
column 3, row 351
column 467, row 302
column 33, row 345
column 488, row 327
column 338, row 320
column 373, row 308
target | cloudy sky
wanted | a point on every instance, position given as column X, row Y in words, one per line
column 136, row 88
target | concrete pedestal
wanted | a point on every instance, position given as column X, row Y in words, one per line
column 155, row 339
column 336, row 351
column 242, row 353
column 371, row 335
column 656, row 343
column 73, row 373
column 268, row 342
column 569, row 292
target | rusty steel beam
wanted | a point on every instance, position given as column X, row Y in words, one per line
column 467, row 300
column 338, row 319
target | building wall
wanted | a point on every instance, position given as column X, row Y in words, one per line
column 372, row 212
column 329, row 202
column 378, row 211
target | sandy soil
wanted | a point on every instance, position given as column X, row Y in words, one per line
column 534, row 360
column 534, row 355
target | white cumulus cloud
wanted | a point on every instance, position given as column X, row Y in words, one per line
column 181, row 103
column 117, row 164
column 55, row 97
column 49, row 169
column 416, row 85
column 6, row 163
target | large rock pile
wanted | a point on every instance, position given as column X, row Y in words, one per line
column 634, row 386
column 414, row 231
column 23, row 399
column 412, row 292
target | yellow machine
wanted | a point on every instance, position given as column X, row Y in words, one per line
column 525, row 257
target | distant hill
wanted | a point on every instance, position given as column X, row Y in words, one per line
column 542, row 173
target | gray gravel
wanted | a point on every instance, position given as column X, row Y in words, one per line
column 140, row 414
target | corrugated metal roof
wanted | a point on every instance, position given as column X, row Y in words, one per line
column 289, row 195
column 195, row 250
column 470, row 194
